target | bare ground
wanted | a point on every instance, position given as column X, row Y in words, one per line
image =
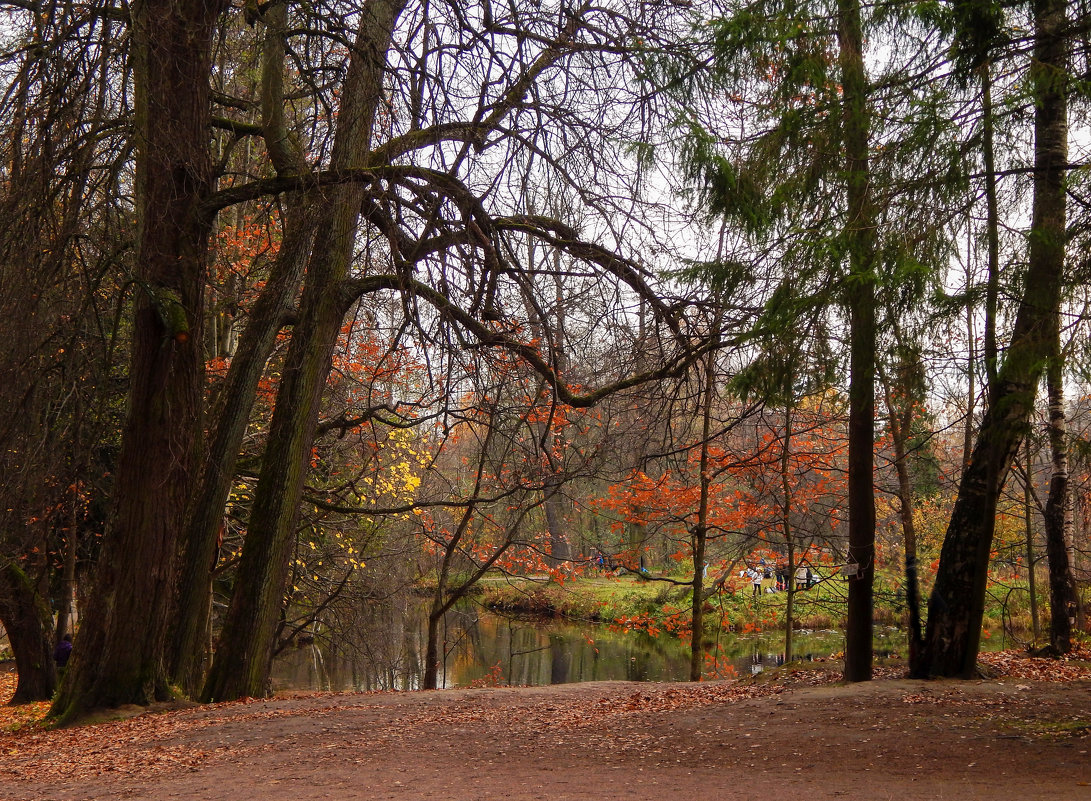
column 888, row 739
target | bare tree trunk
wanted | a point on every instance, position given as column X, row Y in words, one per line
column 231, row 412
column 26, row 618
column 555, row 506
column 860, row 291
column 957, row 605
column 1070, row 542
column 432, row 656
column 67, row 612
column 1063, row 596
column 1028, row 508
column 230, row 418
column 786, row 529
column 446, row 596
column 971, row 381
column 119, row 653
column 900, row 421
column 637, row 538
column 992, row 222
column 242, row 662
column 558, row 507
column 700, row 530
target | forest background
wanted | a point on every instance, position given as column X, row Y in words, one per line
column 311, row 303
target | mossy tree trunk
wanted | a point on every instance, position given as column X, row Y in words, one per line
column 957, row 604
column 231, row 414
column 119, row 652
column 26, row 619
column 244, row 652
column 229, row 421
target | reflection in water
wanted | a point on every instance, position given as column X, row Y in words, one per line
column 385, row 651
column 759, row 661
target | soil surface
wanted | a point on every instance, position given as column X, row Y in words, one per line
column 795, row 738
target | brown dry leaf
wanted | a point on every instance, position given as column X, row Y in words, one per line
column 1020, row 665
column 124, row 747
column 13, row 718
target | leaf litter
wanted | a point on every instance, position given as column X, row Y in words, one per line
column 152, row 744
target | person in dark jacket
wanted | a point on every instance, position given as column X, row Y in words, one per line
column 63, row 651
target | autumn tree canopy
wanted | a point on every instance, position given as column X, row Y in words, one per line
column 312, row 298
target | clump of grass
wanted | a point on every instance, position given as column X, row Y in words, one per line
column 1055, row 730
column 817, row 621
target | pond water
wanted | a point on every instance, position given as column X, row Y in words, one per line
column 386, row 652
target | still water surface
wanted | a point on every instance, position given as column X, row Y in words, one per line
column 386, row 652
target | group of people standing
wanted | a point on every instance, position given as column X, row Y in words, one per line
column 768, row 579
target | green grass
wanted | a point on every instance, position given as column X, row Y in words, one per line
column 638, row 602
column 599, row 599
column 641, row 603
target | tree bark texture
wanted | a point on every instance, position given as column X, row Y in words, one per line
column 67, row 612
column 900, row 423
column 230, row 419
column 700, row 530
column 860, row 290
column 957, row 604
column 26, row 619
column 432, row 652
column 242, row 662
column 119, row 655
column 231, row 413
column 1063, row 596
column 971, row 381
column 557, row 507
column 1028, row 519
column 992, row 224
column 787, row 532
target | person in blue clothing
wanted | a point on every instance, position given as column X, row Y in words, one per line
column 63, row 651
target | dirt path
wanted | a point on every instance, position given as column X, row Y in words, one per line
column 890, row 739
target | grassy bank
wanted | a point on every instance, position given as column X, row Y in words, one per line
column 632, row 602
column 636, row 603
